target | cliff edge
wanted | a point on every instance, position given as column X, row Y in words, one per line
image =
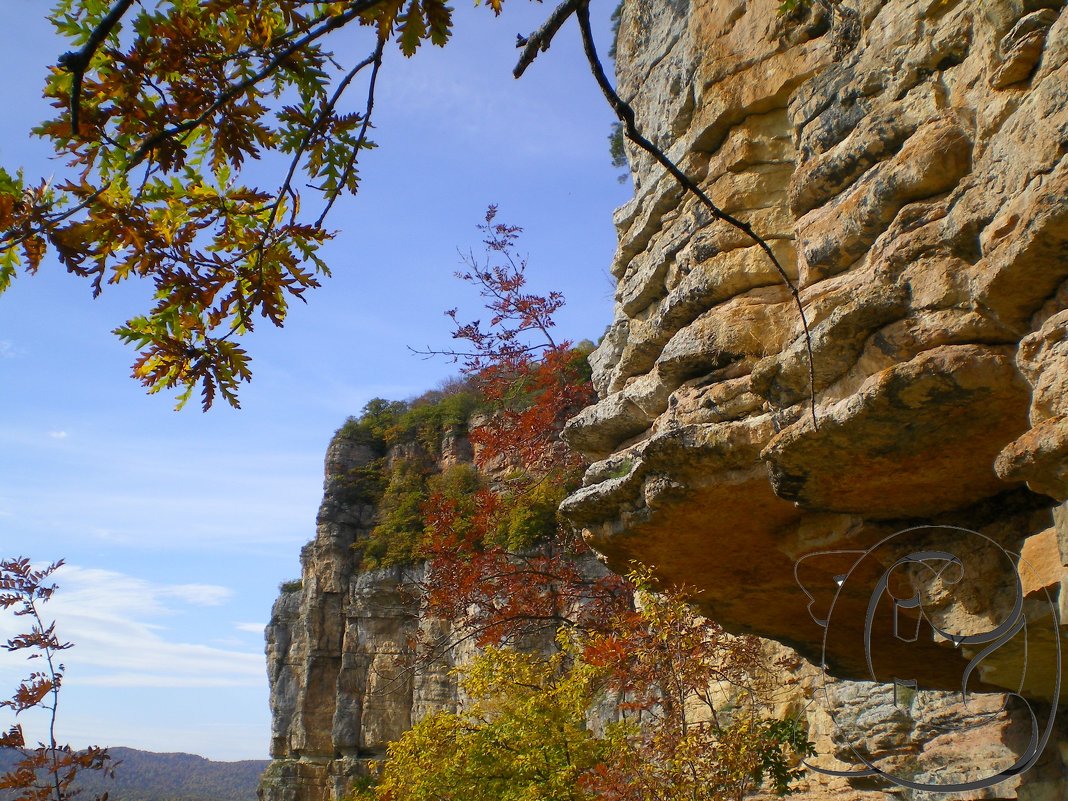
column 906, row 161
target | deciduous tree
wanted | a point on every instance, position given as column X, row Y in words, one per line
column 692, row 703
column 693, row 700
column 158, row 108
column 523, row 735
column 45, row 772
column 699, row 701
column 501, row 563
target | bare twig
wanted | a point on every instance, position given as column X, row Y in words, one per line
column 376, row 59
column 539, row 41
column 456, row 355
column 286, row 188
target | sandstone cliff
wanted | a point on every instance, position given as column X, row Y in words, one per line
column 339, row 650
column 353, row 660
column 906, row 160
column 340, row 642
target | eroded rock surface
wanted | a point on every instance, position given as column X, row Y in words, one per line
column 353, row 661
column 339, row 649
column 907, row 162
column 343, row 683
column 907, row 165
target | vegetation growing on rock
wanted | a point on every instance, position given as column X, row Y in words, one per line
column 689, row 722
column 406, row 480
column 502, row 571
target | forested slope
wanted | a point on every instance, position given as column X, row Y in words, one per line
column 147, row 776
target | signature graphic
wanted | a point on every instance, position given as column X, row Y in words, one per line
column 911, row 583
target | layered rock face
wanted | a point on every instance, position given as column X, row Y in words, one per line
column 340, row 649
column 906, row 162
column 353, row 661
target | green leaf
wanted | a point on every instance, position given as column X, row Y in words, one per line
column 9, row 262
column 439, row 20
column 412, row 29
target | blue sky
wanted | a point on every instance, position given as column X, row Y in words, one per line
column 177, row 527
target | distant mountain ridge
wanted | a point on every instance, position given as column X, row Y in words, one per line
column 148, row 776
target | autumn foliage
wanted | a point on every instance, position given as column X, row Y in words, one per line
column 681, row 713
column 158, row 107
column 47, row 771
column 687, row 704
column 531, row 382
column 492, row 576
column 697, row 701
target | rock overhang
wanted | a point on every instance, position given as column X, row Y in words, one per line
column 914, row 184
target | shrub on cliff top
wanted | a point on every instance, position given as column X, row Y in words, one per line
column 425, row 419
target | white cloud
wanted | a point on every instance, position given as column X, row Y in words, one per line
column 251, row 628
column 8, row 349
column 57, row 434
column 198, row 594
column 110, row 616
column 144, row 680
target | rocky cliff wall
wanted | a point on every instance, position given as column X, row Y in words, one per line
column 343, row 682
column 907, row 164
column 338, row 650
column 906, row 161
column 347, row 646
